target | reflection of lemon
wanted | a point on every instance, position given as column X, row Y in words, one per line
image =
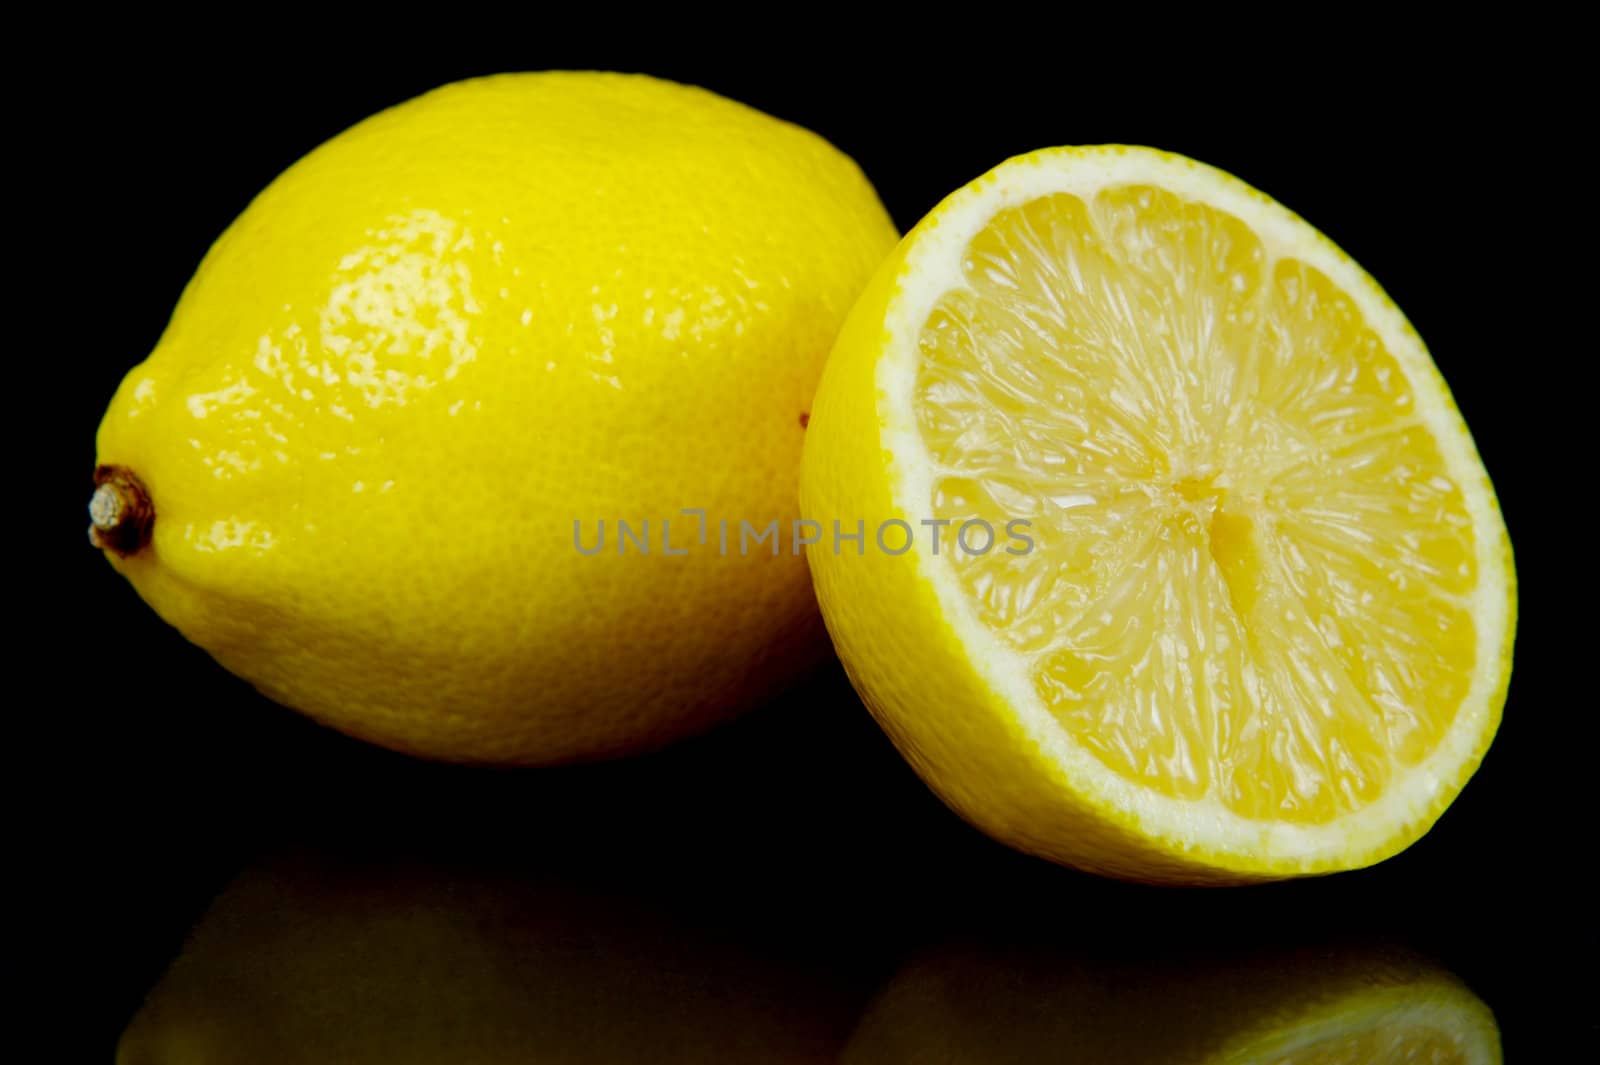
column 310, row 962
column 440, row 340
column 1327, row 1008
column 1264, row 628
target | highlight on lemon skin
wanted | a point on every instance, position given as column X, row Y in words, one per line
column 979, row 1003
column 1267, row 627
column 350, row 468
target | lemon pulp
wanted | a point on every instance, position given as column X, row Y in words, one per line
column 1251, row 560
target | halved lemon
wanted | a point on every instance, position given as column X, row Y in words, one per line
column 1221, row 591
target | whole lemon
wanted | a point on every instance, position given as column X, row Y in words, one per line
column 423, row 377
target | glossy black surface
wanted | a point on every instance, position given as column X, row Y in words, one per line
column 795, row 841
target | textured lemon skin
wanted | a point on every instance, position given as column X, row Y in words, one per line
column 443, row 337
column 920, row 679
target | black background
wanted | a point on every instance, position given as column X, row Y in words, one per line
column 153, row 775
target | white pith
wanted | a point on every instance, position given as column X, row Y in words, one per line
column 933, row 267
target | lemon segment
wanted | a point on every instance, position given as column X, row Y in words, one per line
column 1264, row 627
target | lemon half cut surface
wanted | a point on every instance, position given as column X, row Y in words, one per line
column 1265, row 625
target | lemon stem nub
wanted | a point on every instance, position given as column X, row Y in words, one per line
column 120, row 512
